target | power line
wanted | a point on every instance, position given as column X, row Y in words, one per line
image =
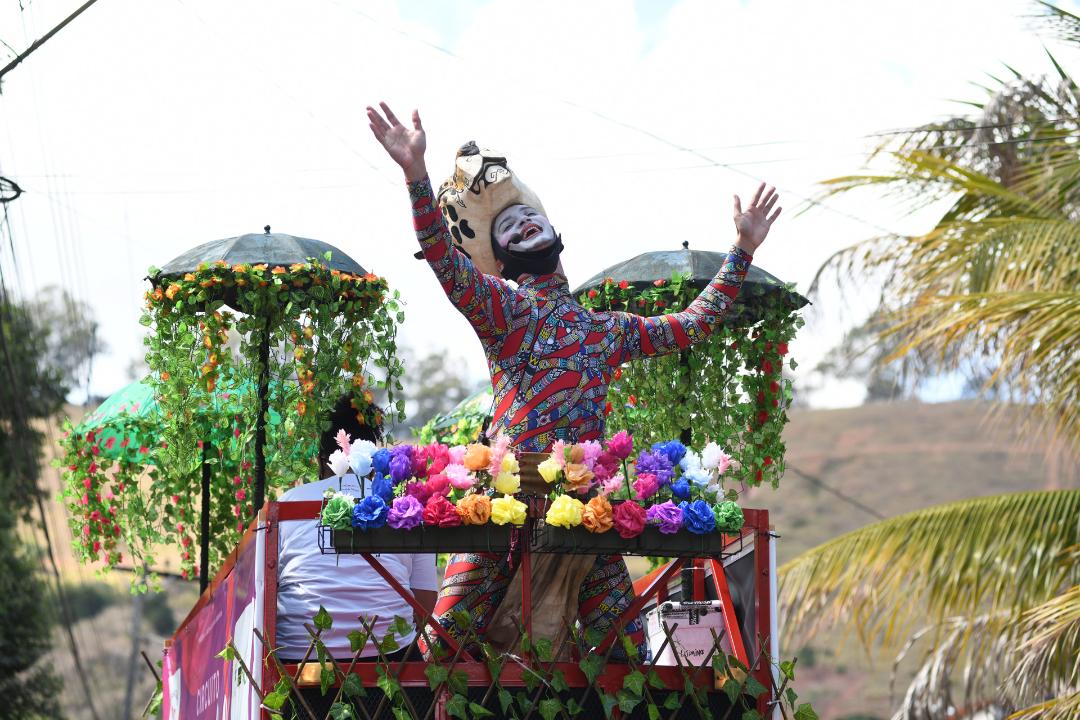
column 843, row 496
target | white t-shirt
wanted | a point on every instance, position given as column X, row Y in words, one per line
column 346, row 585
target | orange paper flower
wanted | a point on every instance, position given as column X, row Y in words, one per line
column 474, row 509
column 477, row 457
column 596, row 517
column 578, row 476
column 278, row 271
column 172, row 290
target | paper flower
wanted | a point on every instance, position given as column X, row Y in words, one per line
column 342, row 439
column 646, row 486
column 380, row 461
column 510, row 463
column 713, row 456
column 605, row 466
column 576, row 454
column 498, row 451
column 565, row 511
column 459, row 476
column 435, row 458
column 558, row 452
column 400, row 468
column 382, row 487
column 729, row 516
column 592, row 450
column 672, row 449
column 629, row 519
column 477, row 457
column 666, row 516
column 698, row 476
column 440, row 512
column 338, row 462
column 360, row 462
column 507, row 509
column 681, row 489
column 507, row 483
column 406, row 513
column 370, row 513
column 337, row 512
column 655, row 464
column 474, row 509
column 621, row 445
column 457, row 454
column 690, row 461
column 439, row 484
column 550, row 469
column 578, row 477
column 596, row 516
column 612, row 484
column 419, row 490
column 698, row 517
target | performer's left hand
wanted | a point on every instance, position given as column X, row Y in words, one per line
column 754, row 223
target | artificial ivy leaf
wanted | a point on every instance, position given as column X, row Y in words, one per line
column 458, row 707
column 479, row 711
column 791, row 696
column 609, row 703
column 461, row 618
column 591, row 665
column 401, row 713
column 327, row 255
column 458, row 682
column 558, row 682
column 630, row 647
column 735, row 662
column 274, row 700
column 326, row 679
column 523, row 701
column 323, row 621
column 401, row 627
column 753, row 687
column 436, row 675
column 628, row 701
column 352, row 687
column 341, row 711
column 505, row 700
column 387, row 684
column 654, row 712
column 543, row 649
column 574, row 707
column 389, row 643
column 751, row 715
column 229, row 653
column 357, row 640
column 672, row 702
column 634, row 682
column 732, row 689
column 531, row 679
column 805, row 712
column 787, row 669
column 550, row 708
column 655, row 681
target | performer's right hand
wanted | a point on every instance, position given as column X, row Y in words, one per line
column 404, row 144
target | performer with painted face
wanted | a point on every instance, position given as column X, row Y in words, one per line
column 551, row 360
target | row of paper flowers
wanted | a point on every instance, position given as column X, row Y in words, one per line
column 668, row 486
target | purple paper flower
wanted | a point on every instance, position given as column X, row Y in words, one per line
column 667, row 516
column 370, row 513
column 406, row 513
column 698, row 517
column 656, row 464
column 401, row 467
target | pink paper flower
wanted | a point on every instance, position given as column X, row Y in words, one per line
column 621, row 445
column 593, row 450
column 418, row 490
column 558, row 452
column 629, row 519
column 459, row 476
column 646, row 486
column 498, row 452
column 342, row 439
column 457, row 454
column 439, row 484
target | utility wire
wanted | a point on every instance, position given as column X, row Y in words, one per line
column 838, row 493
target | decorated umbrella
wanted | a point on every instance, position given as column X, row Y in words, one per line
column 462, row 424
column 760, row 289
column 273, row 250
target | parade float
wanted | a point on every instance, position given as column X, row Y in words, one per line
column 219, row 426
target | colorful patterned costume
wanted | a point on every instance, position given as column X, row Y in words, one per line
column 551, row 361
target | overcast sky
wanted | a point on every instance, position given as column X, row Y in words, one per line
column 147, row 127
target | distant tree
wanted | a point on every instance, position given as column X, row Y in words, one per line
column 434, row 383
column 70, row 334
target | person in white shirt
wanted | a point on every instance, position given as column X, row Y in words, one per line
column 346, row 585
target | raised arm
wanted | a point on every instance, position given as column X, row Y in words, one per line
column 486, row 301
column 661, row 334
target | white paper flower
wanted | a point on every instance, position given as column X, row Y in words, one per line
column 360, row 457
column 713, row 456
column 690, row 461
column 698, row 476
column 338, row 463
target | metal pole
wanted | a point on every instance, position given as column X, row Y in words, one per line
column 260, row 421
column 204, row 523
column 686, row 436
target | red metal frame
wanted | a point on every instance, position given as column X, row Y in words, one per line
column 654, row 585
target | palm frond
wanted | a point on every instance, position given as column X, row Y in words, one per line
column 981, row 556
column 1050, row 654
column 1060, row 22
column 1060, row 708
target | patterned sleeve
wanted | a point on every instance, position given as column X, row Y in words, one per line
column 485, row 301
column 662, row 334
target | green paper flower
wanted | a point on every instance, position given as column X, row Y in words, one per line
column 337, row 513
column 729, row 517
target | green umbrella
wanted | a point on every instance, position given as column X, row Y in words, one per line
column 463, row 423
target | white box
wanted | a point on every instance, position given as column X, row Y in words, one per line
column 693, row 638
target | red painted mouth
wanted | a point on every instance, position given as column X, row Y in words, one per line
column 530, row 230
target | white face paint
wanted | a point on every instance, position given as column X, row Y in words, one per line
column 520, row 228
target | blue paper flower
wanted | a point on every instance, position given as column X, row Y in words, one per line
column 673, row 450
column 382, row 487
column 370, row 513
column 698, row 517
column 381, row 461
column 680, row 489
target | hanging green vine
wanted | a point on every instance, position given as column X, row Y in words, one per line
column 328, row 332
column 729, row 389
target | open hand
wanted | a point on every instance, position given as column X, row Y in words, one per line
column 754, row 224
column 404, row 144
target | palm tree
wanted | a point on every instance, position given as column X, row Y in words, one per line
column 991, row 584
column 996, row 281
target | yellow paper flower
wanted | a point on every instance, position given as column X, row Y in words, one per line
column 549, row 470
column 507, row 483
column 565, row 512
column 510, row 463
column 507, row 510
